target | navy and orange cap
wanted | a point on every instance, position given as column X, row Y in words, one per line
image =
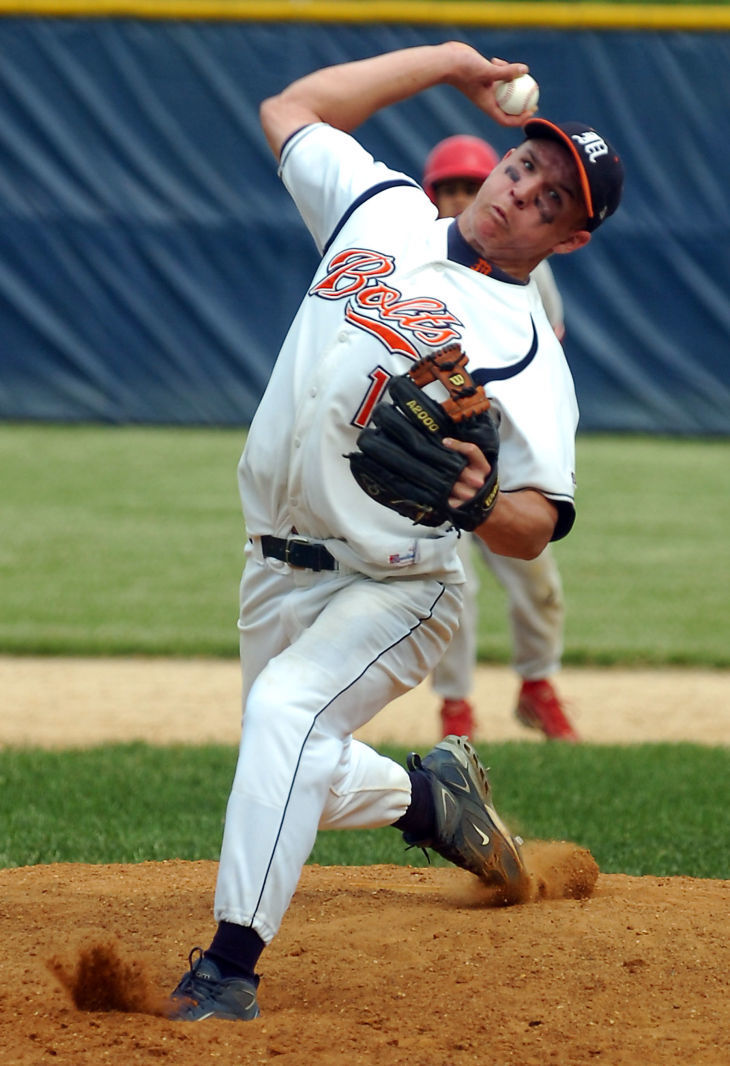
column 600, row 169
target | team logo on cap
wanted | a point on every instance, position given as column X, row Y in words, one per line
column 592, row 144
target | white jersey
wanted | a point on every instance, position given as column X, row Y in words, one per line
column 394, row 283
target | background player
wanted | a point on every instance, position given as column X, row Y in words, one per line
column 453, row 174
column 346, row 604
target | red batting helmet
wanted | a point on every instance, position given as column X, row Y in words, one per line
column 458, row 157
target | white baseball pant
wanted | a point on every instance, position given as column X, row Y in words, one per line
column 322, row 653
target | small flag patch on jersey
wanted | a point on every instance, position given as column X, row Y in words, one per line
column 403, row 559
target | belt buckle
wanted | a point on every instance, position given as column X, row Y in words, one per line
column 291, row 558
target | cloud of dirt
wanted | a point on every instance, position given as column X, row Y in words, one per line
column 99, row 980
column 556, row 869
column 559, row 869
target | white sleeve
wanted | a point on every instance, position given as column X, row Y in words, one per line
column 325, row 171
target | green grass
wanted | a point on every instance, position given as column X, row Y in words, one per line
column 119, row 541
column 130, row 541
column 115, row 803
column 651, row 809
column 646, row 568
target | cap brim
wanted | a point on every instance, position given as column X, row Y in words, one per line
column 542, row 127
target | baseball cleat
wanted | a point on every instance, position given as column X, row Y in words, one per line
column 539, row 707
column 468, row 831
column 203, row 993
column 457, row 718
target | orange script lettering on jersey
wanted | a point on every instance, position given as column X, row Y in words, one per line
column 379, row 309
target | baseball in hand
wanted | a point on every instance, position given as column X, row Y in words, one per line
column 521, row 94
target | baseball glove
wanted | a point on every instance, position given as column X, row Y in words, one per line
column 401, row 459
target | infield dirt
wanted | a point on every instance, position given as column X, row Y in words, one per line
column 375, row 965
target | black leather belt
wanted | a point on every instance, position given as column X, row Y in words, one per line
column 301, row 554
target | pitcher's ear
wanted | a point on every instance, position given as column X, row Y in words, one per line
column 577, row 240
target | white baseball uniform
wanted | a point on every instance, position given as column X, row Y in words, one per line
column 324, row 651
column 536, row 606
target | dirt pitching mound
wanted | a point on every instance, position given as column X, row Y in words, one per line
column 100, row 979
column 374, row 965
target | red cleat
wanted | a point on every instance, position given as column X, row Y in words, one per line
column 539, row 707
column 457, row 719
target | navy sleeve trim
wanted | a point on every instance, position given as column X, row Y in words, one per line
column 285, row 144
column 566, row 518
column 566, row 513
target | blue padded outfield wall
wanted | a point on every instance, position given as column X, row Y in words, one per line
column 150, row 260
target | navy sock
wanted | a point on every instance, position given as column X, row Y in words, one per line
column 419, row 821
column 235, row 949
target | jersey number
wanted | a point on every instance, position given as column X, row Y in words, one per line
column 379, row 378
